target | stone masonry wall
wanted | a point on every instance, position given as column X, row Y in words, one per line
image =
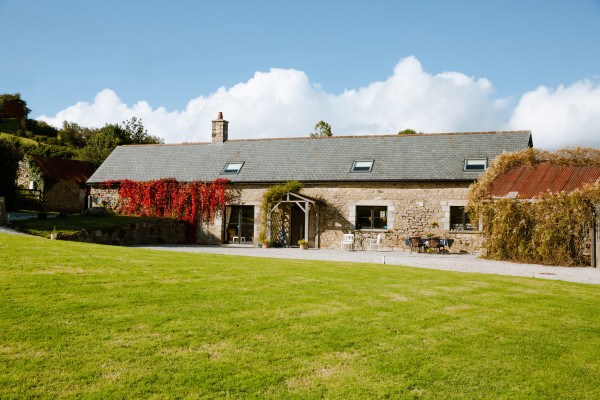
column 159, row 231
column 247, row 195
column 107, row 198
column 63, row 197
column 414, row 209
column 23, row 175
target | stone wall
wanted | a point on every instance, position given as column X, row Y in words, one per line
column 23, row 175
column 63, row 197
column 107, row 198
column 247, row 195
column 159, row 231
column 414, row 209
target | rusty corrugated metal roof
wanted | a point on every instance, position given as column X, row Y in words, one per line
column 526, row 183
column 64, row 170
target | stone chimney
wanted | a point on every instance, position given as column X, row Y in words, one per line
column 219, row 129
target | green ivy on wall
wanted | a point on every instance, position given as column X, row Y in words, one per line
column 35, row 174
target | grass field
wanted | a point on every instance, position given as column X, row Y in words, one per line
column 73, row 223
column 90, row 321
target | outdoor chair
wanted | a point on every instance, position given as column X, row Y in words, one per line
column 375, row 243
column 415, row 243
column 434, row 243
column 348, row 239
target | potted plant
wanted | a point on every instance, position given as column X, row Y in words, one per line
column 266, row 243
column 303, row 244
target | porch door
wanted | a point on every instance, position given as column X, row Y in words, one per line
column 239, row 224
column 297, row 225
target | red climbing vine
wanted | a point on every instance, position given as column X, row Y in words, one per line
column 191, row 202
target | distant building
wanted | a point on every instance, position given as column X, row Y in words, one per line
column 61, row 185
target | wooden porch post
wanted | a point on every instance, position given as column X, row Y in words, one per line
column 316, row 226
column 306, row 215
column 269, row 224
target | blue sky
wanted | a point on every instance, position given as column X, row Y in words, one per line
column 366, row 67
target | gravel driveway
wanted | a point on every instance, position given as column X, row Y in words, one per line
column 4, row 229
column 447, row 262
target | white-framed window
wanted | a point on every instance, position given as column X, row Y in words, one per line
column 371, row 217
column 475, row 164
column 362, row 166
column 232, row 168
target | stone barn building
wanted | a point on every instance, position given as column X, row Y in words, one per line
column 392, row 186
column 61, row 183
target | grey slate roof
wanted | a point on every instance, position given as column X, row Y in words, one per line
column 424, row 157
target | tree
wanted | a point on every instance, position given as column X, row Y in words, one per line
column 71, row 134
column 407, row 132
column 102, row 142
column 10, row 154
column 322, row 129
column 53, row 151
column 41, row 128
column 12, row 106
column 137, row 134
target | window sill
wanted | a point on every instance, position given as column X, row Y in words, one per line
column 372, row 229
column 461, row 232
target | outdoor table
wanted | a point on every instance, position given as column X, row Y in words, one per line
column 360, row 242
column 443, row 242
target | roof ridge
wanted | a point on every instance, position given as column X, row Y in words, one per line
column 336, row 137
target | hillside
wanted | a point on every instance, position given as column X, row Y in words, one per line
column 10, row 125
column 22, row 140
column 38, row 138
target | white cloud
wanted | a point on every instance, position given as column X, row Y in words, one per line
column 284, row 103
column 567, row 116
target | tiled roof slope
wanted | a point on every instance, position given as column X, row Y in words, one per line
column 427, row 157
column 64, row 170
column 526, row 183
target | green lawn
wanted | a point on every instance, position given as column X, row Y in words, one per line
column 90, row 321
column 73, row 223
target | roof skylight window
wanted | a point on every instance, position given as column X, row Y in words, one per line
column 362, row 166
column 475, row 164
column 232, row 168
